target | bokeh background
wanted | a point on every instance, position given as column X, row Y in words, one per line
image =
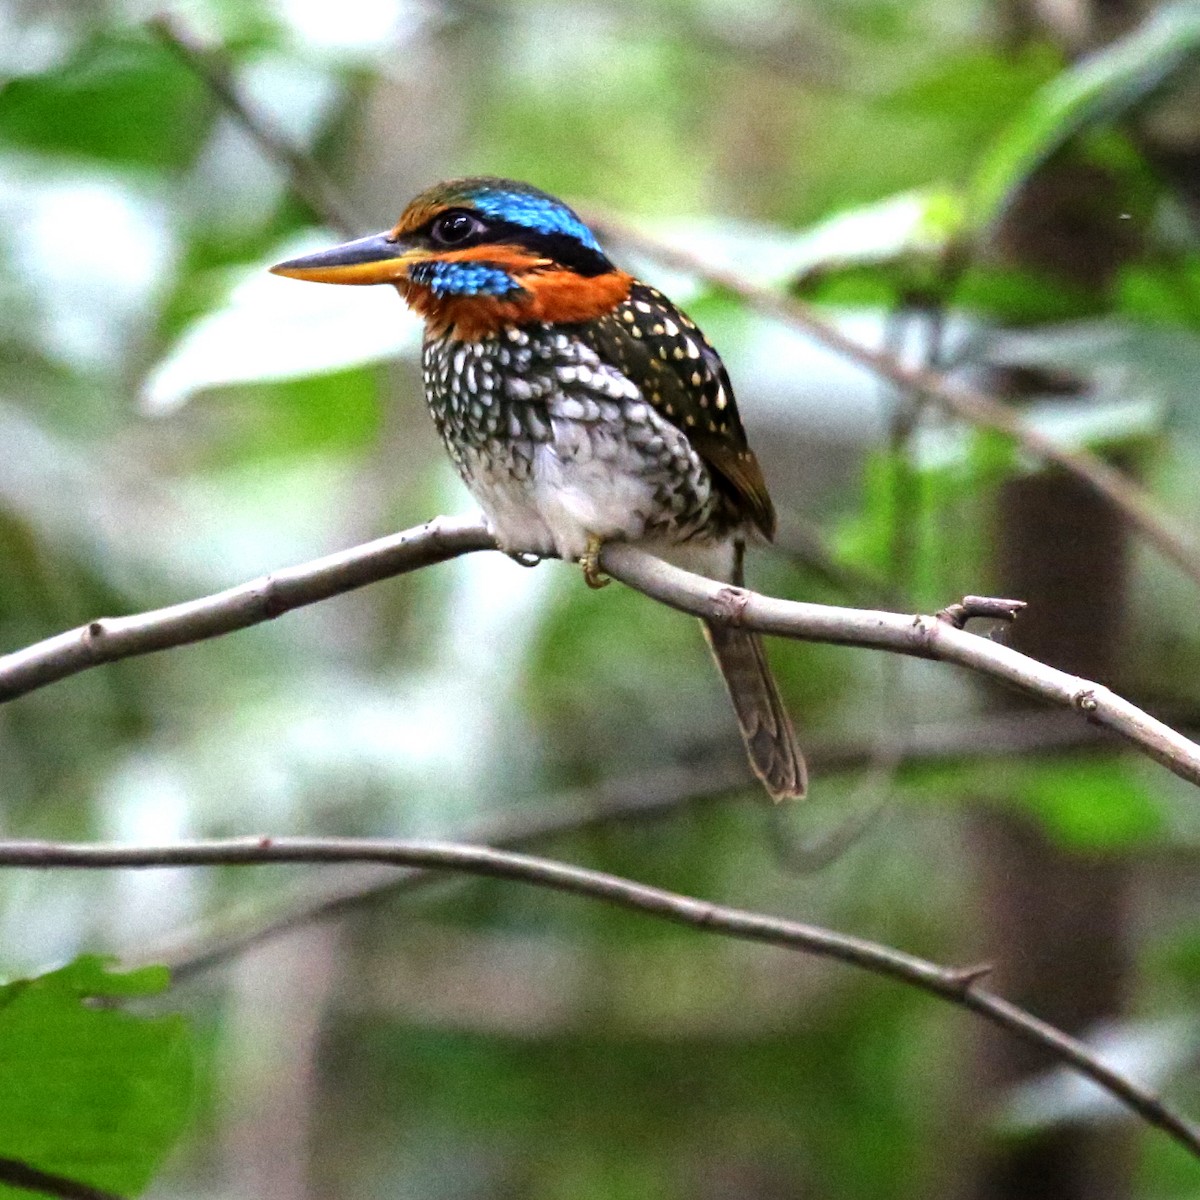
column 961, row 181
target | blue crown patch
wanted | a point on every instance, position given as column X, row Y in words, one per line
column 538, row 212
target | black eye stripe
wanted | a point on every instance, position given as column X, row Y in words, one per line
column 560, row 248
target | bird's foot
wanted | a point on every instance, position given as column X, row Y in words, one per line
column 590, row 562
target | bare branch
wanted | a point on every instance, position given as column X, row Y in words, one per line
column 918, row 636
column 112, row 638
column 987, row 607
column 956, row 985
column 644, row 795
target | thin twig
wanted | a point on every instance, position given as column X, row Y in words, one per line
column 112, row 638
column 18, row 1174
column 306, row 179
column 958, row 986
column 645, row 795
column 638, row 797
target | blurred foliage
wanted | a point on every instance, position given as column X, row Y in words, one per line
column 173, row 420
column 1099, row 91
column 90, row 1094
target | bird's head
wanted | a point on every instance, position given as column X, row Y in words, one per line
column 474, row 255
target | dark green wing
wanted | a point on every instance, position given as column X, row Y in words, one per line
column 660, row 350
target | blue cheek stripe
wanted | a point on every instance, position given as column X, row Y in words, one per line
column 541, row 213
column 463, row 279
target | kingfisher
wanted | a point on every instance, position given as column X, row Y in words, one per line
column 579, row 406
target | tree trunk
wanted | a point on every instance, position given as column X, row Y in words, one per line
column 1056, row 923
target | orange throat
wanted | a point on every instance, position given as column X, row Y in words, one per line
column 553, row 296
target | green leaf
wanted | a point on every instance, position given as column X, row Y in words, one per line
column 911, row 229
column 1084, row 801
column 1163, row 291
column 121, row 99
column 90, row 1092
column 978, row 90
column 1022, row 297
column 954, row 476
column 88, row 979
column 1090, row 803
column 1097, row 90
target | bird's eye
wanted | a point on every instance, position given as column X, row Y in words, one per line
column 453, row 227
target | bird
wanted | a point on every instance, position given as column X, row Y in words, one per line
column 579, row 406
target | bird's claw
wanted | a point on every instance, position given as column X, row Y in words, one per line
column 524, row 558
column 590, row 562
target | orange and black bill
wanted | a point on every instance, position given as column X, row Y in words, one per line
column 380, row 258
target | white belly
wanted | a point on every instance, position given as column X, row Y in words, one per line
column 564, row 503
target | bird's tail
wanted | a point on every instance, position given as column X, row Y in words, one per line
column 764, row 722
